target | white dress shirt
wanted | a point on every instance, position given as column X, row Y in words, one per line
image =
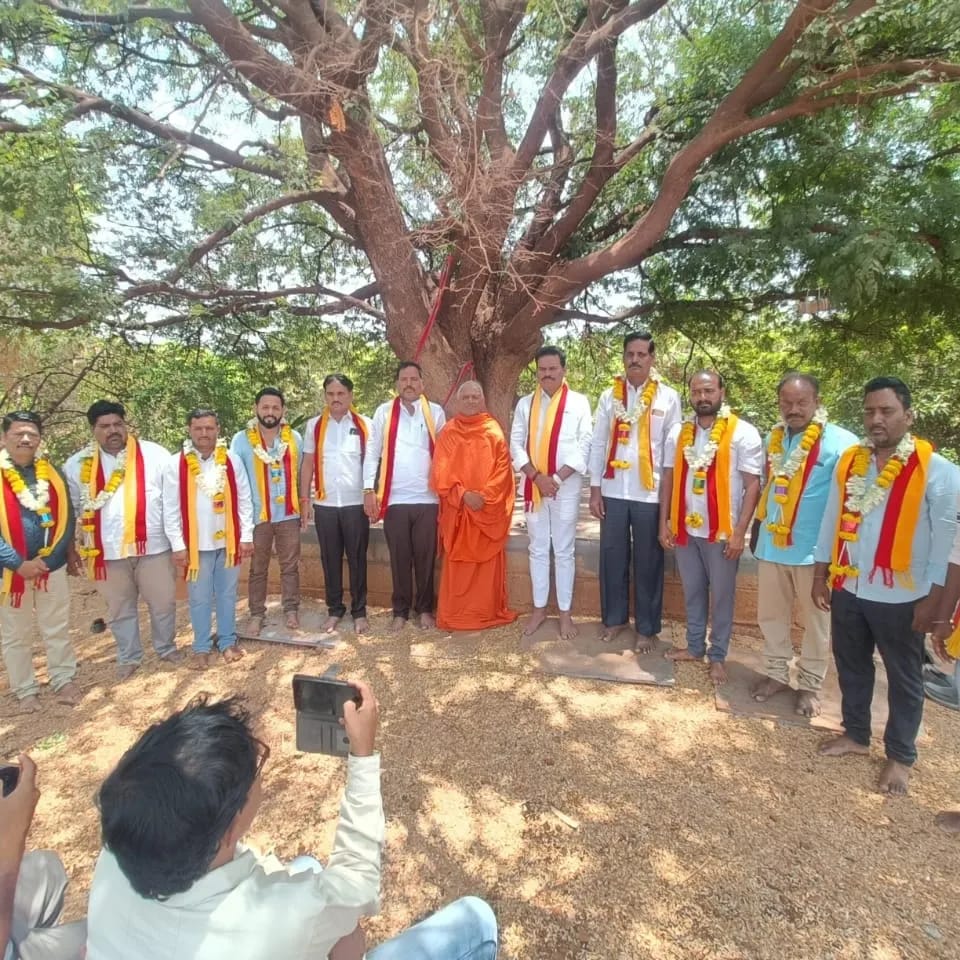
column 746, row 456
column 112, row 518
column 251, row 908
column 625, row 484
column 342, row 467
column 573, row 442
column 412, row 460
column 209, row 522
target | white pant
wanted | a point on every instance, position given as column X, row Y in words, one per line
column 555, row 523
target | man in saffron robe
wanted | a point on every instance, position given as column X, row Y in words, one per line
column 473, row 478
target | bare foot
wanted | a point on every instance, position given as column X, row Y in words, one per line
column 682, row 653
column 535, row 621
column 397, row 624
column 717, row 673
column 568, row 629
column 233, row 653
column 330, row 625
column 808, row 704
column 30, row 704
column 198, row 661
column 254, row 626
column 69, row 694
column 609, row 634
column 894, row 779
column 293, row 620
column 361, row 625
column 840, row 747
column 643, row 644
column 948, row 821
column 427, row 621
column 767, row 688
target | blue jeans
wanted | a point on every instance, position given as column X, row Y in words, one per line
column 709, row 586
column 216, row 584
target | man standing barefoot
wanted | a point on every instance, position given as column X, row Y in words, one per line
column 881, row 559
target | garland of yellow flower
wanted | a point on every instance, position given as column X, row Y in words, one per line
column 621, row 428
column 222, row 500
column 288, row 443
column 89, row 551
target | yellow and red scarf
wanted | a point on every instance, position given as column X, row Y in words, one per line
column 227, row 504
column 262, row 472
column 12, row 585
column 390, row 448
column 620, row 432
column 717, row 486
column 900, row 516
column 319, row 435
column 782, row 532
column 134, row 509
column 543, row 453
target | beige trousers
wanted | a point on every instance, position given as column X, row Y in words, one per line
column 778, row 586
column 52, row 607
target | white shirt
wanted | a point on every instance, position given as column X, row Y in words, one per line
column 209, row 522
column 412, row 460
column 342, row 467
column 573, row 442
column 746, row 456
column 155, row 459
column 251, row 908
column 625, row 484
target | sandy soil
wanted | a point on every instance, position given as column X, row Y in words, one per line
column 600, row 820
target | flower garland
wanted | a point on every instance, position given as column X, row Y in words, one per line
column 91, row 505
column 211, row 488
column 783, row 468
column 625, row 419
column 37, row 500
column 256, row 442
column 700, row 462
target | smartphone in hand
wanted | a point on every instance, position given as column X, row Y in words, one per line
column 319, row 703
column 9, row 777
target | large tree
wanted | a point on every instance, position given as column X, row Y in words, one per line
column 244, row 161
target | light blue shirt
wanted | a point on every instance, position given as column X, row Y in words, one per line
column 806, row 524
column 240, row 446
column 932, row 539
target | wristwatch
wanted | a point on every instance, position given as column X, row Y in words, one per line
column 367, row 490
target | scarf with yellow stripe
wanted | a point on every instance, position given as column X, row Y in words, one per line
column 225, row 504
column 542, row 449
column 319, row 435
column 390, row 429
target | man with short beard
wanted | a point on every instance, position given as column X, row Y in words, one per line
column 271, row 452
column 127, row 551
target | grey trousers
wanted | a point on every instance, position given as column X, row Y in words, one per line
column 37, row 905
column 709, row 586
column 152, row 579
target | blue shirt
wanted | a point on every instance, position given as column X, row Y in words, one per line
column 34, row 534
column 932, row 539
column 806, row 524
column 240, row 445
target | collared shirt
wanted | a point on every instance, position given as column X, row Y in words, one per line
column 746, row 456
column 625, row 484
column 806, row 524
column 240, row 445
column 33, row 533
column 251, row 908
column 932, row 538
column 411, row 467
column 209, row 522
column 573, row 443
column 112, row 516
column 342, row 466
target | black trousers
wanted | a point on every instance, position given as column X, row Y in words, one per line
column 410, row 530
column 343, row 532
column 627, row 520
column 858, row 626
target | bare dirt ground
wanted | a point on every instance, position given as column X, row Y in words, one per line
column 600, row 820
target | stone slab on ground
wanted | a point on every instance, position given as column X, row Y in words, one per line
column 312, row 617
column 588, row 657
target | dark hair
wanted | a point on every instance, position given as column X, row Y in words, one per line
column 890, row 383
column 168, row 804
column 551, row 351
column 342, row 379
column 22, row 416
column 639, row 335
column 200, row 413
column 709, row 373
column 104, row 408
column 270, row 392
column 807, row 378
column 403, row 364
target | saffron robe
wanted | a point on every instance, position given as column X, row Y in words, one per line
column 472, row 455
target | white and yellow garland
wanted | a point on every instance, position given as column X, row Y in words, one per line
column 90, row 504
column 700, row 461
column 38, row 499
column 642, row 404
column 210, row 486
column 783, row 468
column 256, row 442
column 862, row 497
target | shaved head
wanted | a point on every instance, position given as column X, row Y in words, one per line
column 471, row 385
column 470, row 398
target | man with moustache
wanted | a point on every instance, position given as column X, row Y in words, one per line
column 711, row 483
column 116, row 484
column 880, row 563
column 801, row 453
column 634, row 418
column 550, row 443
column 335, row 446
column 270, row 451
column 401, row 452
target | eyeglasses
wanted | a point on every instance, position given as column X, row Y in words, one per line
column 262, row 759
